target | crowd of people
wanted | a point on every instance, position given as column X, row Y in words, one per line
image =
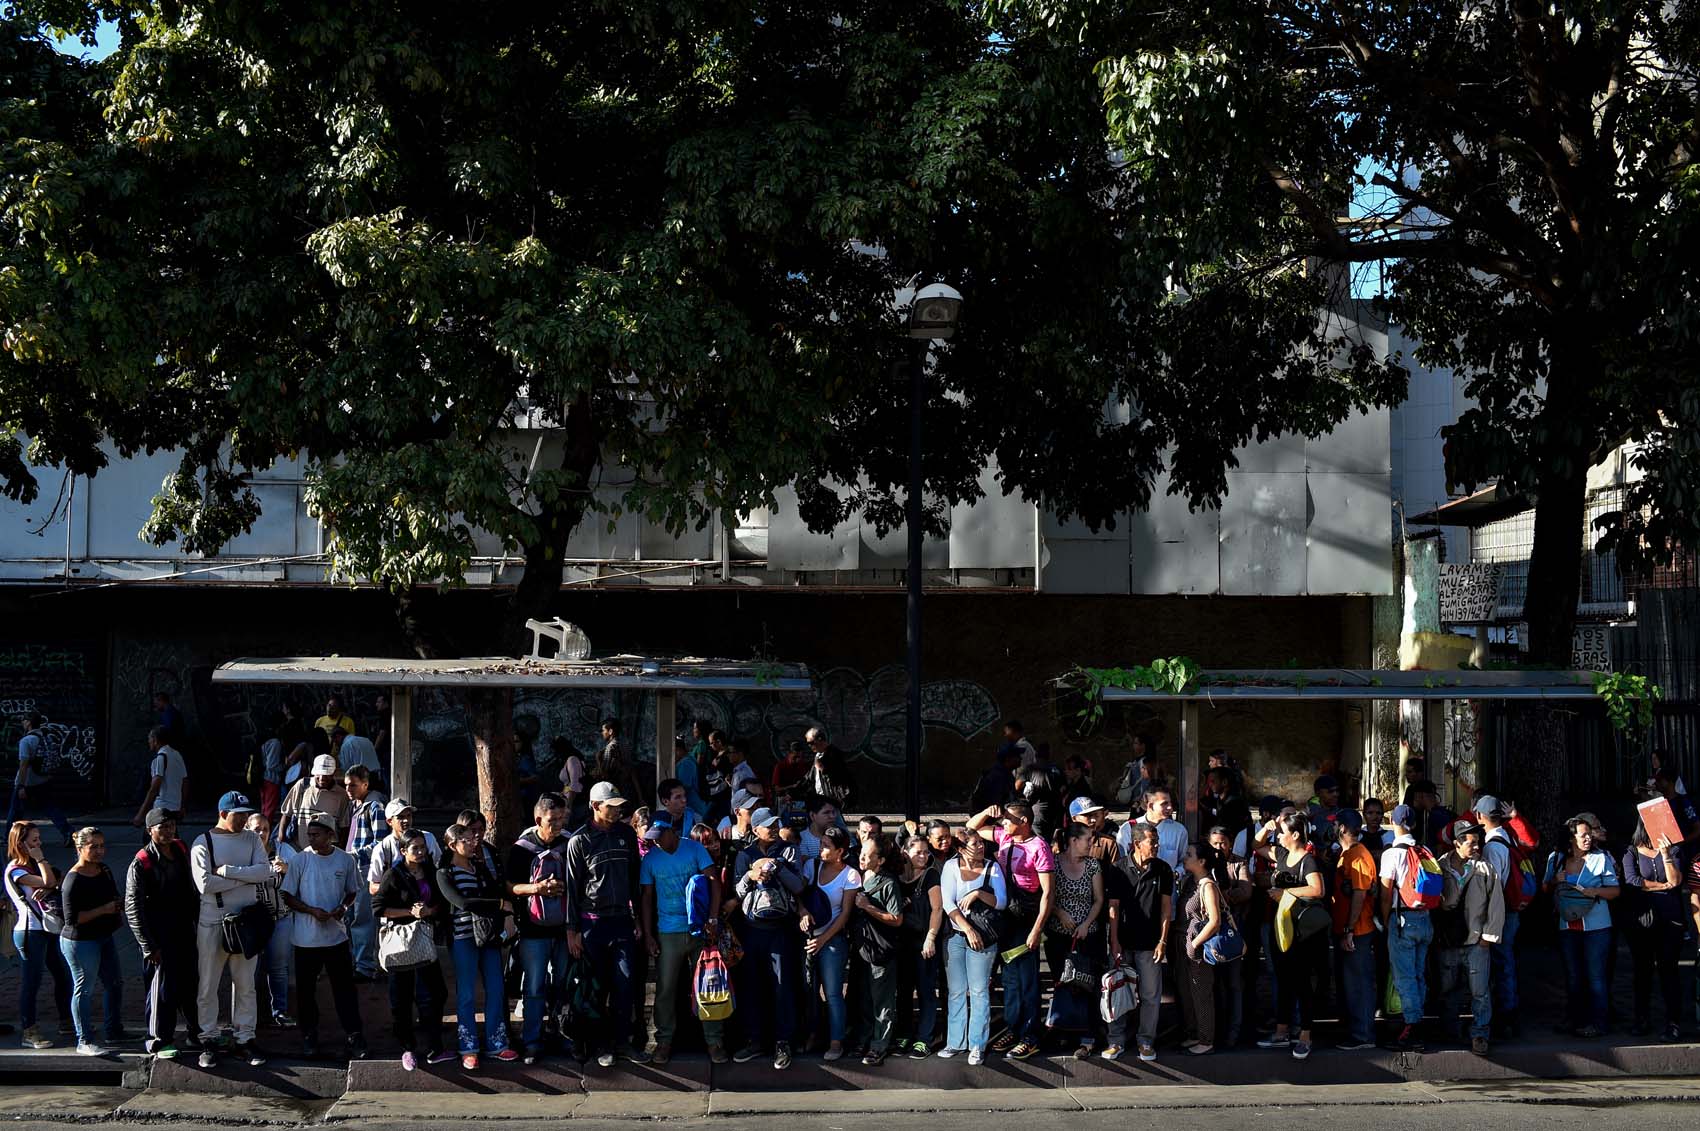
column 772, row 929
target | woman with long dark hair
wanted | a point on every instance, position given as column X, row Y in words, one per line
column 410, row 893
column 1206, row 913
column 1298, row 967
column 30, row 883
column 1075, row 926
column 1583, row 881
column 1654, row 875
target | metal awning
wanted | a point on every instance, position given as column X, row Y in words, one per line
column 1490, row 504
column 639, row 673
column 1369, row 683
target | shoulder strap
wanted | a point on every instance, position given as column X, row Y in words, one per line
column 212, row 868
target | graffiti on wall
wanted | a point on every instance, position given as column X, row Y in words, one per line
column 866, row 715
column 61, row 683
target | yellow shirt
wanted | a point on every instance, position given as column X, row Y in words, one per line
column 328, row 724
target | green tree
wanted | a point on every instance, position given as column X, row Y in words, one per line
column 378, row 234
column 1530, row 181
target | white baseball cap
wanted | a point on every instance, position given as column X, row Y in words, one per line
column 323, row 765
column 605, row 793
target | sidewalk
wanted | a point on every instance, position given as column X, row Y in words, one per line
column 1454, row 1101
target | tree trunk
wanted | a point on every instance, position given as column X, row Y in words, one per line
column 1555, row 562
column 539, row 586
column 1537, row 749
column 491, row 711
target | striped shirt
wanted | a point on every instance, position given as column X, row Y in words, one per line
column 465, row 881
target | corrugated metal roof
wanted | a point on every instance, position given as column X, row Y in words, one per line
column 681, row 673
column 1370, row 683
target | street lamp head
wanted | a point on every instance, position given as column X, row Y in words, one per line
column 935, row 311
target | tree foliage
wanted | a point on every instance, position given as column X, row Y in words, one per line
column 1525, row 182
column 378, row 234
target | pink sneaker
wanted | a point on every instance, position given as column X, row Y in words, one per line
column 506, row 1056
column 469, row 1061
column 409, row 1062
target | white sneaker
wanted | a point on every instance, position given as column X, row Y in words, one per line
column 84, row 1048
column 606, row 1060
column 976, row 1056
column 947, row 1053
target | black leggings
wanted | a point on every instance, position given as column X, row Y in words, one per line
column 404, row 999
column 1298, row 973
column 1655, row 948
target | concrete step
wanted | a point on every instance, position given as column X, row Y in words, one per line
column 280, row 1079
column 124, row 1068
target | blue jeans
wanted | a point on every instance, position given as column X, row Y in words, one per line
column 968, row 1021
column 1504, row 953
column 1021, row 997
column 38, row 953
column 275, row 964
column 473, row 965
column 363, row 934
column 544, row 962
column 828, row 968
column 41, row 799
column 1467, row 968
column 89, row 959
column 608, row 945
column 1408, row 936
column 1585, row 954
column 1357, row 986
column 772, row 971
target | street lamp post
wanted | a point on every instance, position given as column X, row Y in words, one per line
column 932, row 317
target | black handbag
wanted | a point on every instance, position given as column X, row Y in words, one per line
column 245, row 932
column 1021, row 908
column 982, row 918
column 1078, row 973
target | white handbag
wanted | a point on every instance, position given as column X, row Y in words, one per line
column 405, row 946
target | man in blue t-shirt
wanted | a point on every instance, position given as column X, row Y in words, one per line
column 667, row 869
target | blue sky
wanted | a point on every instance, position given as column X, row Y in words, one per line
column 106, row 42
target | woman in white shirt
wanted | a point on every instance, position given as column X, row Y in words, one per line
column 973, row 891
column 827, row 946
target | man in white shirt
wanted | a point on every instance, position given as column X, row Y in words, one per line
column 1159, row 814
column 320, row 887
column 169, row 774
column 228, row 864
column 359, row 751
column 1409, row 929
column 387, row 851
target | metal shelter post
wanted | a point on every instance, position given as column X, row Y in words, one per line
column 1188, row 784
column 666, row 703
column 401, row 742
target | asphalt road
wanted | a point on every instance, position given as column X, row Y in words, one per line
column 1502, row 1116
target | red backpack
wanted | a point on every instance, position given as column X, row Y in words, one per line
column 1521, row 882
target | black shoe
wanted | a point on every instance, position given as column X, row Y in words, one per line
column 208, row 1058
column 532, row 1052
column 873, row 1059
column 357, row 1048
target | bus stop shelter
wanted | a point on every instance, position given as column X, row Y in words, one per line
column 665, row 677
column 1432, row 688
